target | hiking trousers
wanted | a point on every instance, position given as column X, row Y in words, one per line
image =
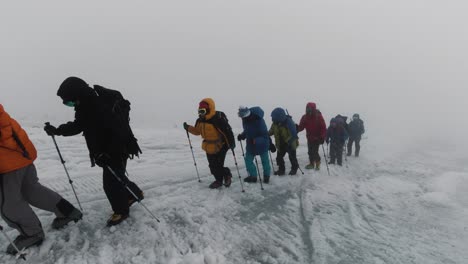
column 252, row 169
column 19, row 190
column 216, row 164
column 116, row 192
column 314, row 155
column 336, row 153
column 358, row 146
column 292, row 158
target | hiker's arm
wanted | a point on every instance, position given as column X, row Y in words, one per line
column 194, row 130
column 301, row 125
column 69, row 129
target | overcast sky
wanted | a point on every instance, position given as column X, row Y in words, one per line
column 401, row 64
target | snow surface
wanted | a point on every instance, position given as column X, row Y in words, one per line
column 395, row 204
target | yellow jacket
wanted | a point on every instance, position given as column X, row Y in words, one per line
column 213, row 138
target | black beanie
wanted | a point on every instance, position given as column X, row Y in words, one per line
column 73, row 88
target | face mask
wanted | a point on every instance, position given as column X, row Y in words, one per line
column 69, row 103
column 202, row 112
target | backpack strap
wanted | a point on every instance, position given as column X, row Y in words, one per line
column 20, row 144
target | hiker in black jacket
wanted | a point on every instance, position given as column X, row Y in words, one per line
column 102, row 116
column 355, row 129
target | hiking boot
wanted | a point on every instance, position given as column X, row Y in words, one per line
column 216, row 185
column 293, row 172
column 266, row 179
column 133, row 200
column 280, row 172
column 60, row 222
column 250, row 179
column 356, row 155
column 116, row 219
column 227, row 180
column 23, row 242
column 331, row 162
column 309, row 166
column 349, row 154
column 317, row 165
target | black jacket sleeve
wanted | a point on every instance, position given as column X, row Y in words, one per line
column 69, row 129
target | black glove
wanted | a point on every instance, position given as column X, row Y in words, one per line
column 272, row 148
column 321, row 141
column 186, row 126
column 50, row 130
column 102, row 159
column 241, row 137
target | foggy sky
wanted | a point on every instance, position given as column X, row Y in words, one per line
column 400, row 64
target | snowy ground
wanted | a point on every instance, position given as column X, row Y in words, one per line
column 389, row 206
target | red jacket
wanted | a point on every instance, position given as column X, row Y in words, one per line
column 16, row 150
column 314, row 124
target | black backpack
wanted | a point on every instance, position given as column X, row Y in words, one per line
column 220, row 121
column 118, row 115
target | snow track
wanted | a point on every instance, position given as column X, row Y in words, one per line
column 372, row 212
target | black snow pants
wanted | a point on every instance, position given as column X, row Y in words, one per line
column 336, row 153
column 216, row 164
column 350, row 146
column 314, row 155
column 116, row 192
column 292, row 158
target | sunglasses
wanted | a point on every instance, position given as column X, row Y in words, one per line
column 202, row 111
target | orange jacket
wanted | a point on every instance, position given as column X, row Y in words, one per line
column 16, row 150
column 213, row 138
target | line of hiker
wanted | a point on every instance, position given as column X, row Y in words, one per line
column 214, row 128
column 103, row 117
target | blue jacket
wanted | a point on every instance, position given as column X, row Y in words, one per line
column 337, row 135
column 280, row 117
column 256, row 132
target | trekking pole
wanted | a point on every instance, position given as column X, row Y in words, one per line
column 237, row 167
column 345, row 153
column 131, row 192
column 65, row 167
column 243, row 154
column 193, row 156
column 345, row 150
column 258, row 171
column 272, row 165
column 20, row 253
column 326, row 159
column 299, row 167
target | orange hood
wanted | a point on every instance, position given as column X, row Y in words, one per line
column 212, row 109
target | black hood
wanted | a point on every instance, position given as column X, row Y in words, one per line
column 74, row 88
